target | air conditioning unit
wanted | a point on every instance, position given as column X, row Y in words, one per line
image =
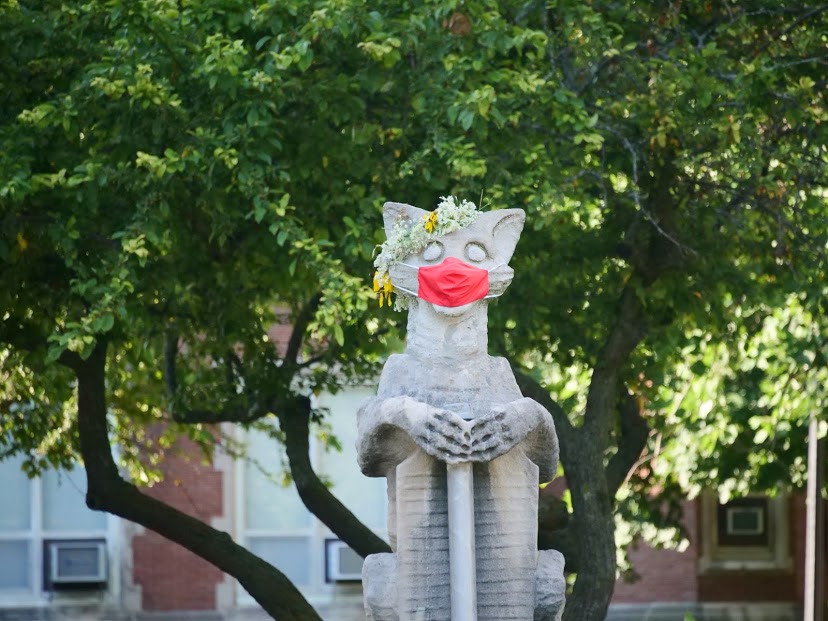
column 342, row 564
column 745, row 520
column 76, row 562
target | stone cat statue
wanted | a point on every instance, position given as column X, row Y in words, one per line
column 444, row 401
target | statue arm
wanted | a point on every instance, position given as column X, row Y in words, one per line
column 389, row 429
column 522, row 422
column 381, row 442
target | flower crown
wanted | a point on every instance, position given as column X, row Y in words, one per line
column 407, row 239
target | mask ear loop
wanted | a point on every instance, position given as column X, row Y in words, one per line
column 494, row 295
column 404, row 290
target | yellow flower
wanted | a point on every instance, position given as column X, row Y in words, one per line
column 383, row 288
column 430, row 221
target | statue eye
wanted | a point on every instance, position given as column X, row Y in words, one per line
column 476, row 252
column 433, row 251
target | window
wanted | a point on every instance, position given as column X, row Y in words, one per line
column 34, row 512
column 745, row 533
column 273, row 521
column 277, row 526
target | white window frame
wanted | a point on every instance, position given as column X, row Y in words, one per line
column 36, row 596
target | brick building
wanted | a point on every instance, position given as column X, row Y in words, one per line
column 745, row 560
column 719, row 576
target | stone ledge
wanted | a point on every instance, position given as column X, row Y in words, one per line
column 62, row 614
column 712, row 611
column 181, row 615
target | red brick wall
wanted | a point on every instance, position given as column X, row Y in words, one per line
column 798, row 518
column 747, row 586
column 171, row 577
column 666, row 575
column 669, row 576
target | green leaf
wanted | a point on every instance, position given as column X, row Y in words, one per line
column 339, row 335
column 105, row 323
column 466, row 119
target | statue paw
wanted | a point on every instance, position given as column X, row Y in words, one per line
column 443, row 435
column 550, row 586
column 379, row 584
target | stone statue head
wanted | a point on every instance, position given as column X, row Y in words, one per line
column 456, row 271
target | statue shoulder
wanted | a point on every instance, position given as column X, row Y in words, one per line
column 499, row 367
column 394, row 372
column 394, row 363
column 499, row 363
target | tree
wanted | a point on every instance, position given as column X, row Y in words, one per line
column 687, row 208
column 159, row 211
column 172, row 171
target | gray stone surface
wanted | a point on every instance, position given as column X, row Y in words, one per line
column 381, row 592
column 445, row 401
column 550, row 585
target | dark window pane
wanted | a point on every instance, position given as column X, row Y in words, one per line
column 744, row 522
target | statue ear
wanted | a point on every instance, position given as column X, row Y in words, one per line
column 400, row 212
column 506, row 226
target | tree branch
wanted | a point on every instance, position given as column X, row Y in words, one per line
column 633, row 435
column 652, row 254
column 294, row 421
column 107, row 491
column 214, row 417
column 627, row 332
column 70, row 360
column 300, row 324
column 790, row 27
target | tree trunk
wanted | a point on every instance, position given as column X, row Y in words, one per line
column 592, row 486
column 594, row 530
column 318, row 499
column 107, row 491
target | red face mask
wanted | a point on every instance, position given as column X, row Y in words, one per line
column 452, row 283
